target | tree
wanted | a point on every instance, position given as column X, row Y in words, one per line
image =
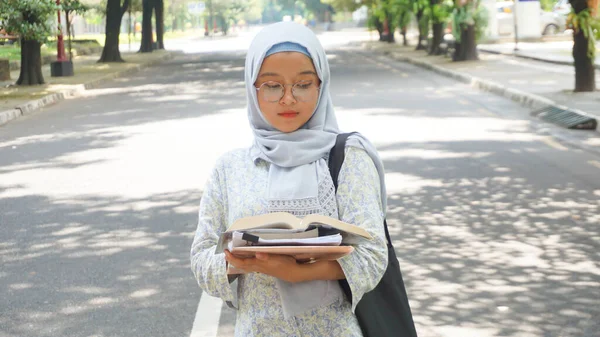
column 114, row 14
column 148, row 7
column 69, row 7
column 468, row 25
column 229, row 11
column 586, row 28
column 383, row 18
column 32, row 21
column 350, row 5
column 159, row 16
column 402, row 12
column 421, row 13
column 439, row 12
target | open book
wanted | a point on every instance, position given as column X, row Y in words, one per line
column 282, row 220
column 315, row 237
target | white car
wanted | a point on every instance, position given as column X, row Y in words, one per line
column 551, row 22
column 562, row 7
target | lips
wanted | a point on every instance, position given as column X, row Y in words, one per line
column 288, row 114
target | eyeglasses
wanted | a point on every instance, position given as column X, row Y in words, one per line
column 302, row 91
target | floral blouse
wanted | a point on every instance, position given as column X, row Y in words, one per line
column 237, row 188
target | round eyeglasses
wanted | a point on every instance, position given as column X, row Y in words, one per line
column 302, row 91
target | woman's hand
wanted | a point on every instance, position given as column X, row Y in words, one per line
column 286, row 268
column 279, row 266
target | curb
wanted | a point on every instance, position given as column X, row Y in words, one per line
column 566, row 63
column 521, row 97
column 8, row 115
column 34, row 105
column 526, row 99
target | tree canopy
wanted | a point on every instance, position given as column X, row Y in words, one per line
column 29, row 19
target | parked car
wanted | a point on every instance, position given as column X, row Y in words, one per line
column 562, row 7
column 551, row 22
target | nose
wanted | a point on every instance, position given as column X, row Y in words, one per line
column 288, row 96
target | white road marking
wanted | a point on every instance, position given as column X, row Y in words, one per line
column 208, row 314
column 554, row 144
column 595, row 163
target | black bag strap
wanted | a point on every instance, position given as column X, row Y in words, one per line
column 336, row 159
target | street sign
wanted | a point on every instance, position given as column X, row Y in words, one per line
column 196, row 7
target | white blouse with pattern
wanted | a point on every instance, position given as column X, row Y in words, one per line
column 237, row 188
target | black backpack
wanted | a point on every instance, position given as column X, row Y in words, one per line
column 384, row 311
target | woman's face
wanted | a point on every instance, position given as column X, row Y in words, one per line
column 289, row 107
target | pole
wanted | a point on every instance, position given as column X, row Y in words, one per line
column 516, row 26
column 60, row 43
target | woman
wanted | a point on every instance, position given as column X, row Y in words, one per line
column 285, row 170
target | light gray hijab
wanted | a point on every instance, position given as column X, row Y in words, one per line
column 297, row 159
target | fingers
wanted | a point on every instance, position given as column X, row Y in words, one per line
column 262, row 256
column 234, row 261
column 247, row 264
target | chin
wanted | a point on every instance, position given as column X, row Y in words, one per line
column 287, row 129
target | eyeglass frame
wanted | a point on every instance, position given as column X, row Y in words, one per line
column 286, row 85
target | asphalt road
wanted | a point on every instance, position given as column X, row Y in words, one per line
column 496, row 224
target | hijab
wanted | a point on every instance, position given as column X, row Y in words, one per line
column 298, row 160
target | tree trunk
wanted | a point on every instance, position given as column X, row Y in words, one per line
column 31, row 63
column 147, row 38
column 584, row 66
column 585, row 73
column 438, row 37
column 388, row 31
column 70, row 46
column 379, row 27
column 466, row 50
column 114, row 15
column 420, row 45
column 404, row 39
column 160, row 23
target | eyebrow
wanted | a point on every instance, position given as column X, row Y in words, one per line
column 306, row 72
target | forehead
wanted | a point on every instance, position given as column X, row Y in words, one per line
column 285, row 63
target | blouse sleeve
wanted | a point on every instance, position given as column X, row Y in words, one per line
column 359, row 203
column 209, row 268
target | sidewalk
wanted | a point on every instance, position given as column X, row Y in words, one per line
column 20, row 100
column 559, row 52
column 532, row 83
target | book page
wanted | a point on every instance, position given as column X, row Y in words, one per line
column 316, row 219
column 277, row 233
column 270, row 220
column 240, row 239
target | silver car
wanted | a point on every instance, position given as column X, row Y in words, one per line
column 551, row 22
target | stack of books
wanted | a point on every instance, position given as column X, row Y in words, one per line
column 313, row 238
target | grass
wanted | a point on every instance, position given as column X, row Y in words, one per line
column 13, row 53
column 10, row 52
column 124, row 38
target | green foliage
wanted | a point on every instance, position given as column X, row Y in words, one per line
column 441, row 12
column 420, row 5
column 589, row 25
column 351, row 5
column 30, row 19
column 401, row 11
column 74, row 6
column 547, row 5
column 468, row 15
column 424, row 24
column 227, row 11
